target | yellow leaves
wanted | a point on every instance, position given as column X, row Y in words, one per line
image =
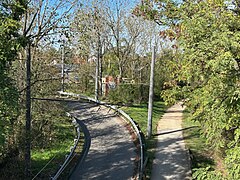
column 215, row 3
column 169, row 84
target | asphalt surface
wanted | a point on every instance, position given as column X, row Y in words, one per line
column 112, row 152
column 172, row 160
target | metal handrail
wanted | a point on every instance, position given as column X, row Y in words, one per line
column 126, row 116
column 64, row 165
column 138, row 131
column 86, row 145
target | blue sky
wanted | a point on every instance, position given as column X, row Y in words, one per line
column 112, row 3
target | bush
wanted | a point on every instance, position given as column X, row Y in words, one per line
column 206, row 173
column 129, row 94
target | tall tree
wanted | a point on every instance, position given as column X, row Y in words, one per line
column 10, row 42
column 207, row 74
column 42, row 22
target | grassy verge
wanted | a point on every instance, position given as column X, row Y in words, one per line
column 140, row 114
column 201, row 154
column 55, row 155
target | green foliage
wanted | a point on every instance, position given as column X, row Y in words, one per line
column 207, row 33
column 110, row 66
column 10, row 42
column 8, row 107
column 233, row 161
column 206, row 173
column 210, row 67
column 85, row 74
column 128, row 94
column 202, row 154
column 49, row 124
column 163, row 12
column 164, row 65
column 51, row 142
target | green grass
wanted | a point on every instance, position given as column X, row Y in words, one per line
column 55, row 153
column 139, row 113
column 201, row 152
column 64, row 134
column 57, row 156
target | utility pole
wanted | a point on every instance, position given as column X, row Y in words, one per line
column 96, row 79
column 96, row 24
column 63, row 58
column 28, row 113
column 97, row 73
column 99, row 57
column 151, row 93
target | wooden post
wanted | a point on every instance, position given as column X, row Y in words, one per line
column 28, row 113
column 151, row 93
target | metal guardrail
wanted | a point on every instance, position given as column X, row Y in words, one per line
column 126, row 116
column 86, row 146
column 140, row 138
column 68, row 158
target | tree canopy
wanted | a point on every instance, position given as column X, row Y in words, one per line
column 207, row 35
column 200, row 61
column 10, row 42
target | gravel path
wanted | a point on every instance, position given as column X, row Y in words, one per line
column 171, row 158
column 112, row 152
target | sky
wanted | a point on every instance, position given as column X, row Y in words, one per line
column 129, row 4
column 126, row 5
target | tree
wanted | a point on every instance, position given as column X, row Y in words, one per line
column 207, row 74
column 41, row 22
column 211, row 68
column 124, row 31
column 125, row 40
column 10, row 43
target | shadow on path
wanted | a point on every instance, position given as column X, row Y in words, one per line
column 177, row 130
column 171, row 157
column 112, row 152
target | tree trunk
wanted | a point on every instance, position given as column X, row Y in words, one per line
column 28, row 113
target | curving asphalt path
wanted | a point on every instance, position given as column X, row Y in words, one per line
column 112, row 152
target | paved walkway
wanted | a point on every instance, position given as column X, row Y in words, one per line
column 171, row 158
column 112, row 152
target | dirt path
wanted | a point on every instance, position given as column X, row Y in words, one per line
column 112, row 152
column 171, row 157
